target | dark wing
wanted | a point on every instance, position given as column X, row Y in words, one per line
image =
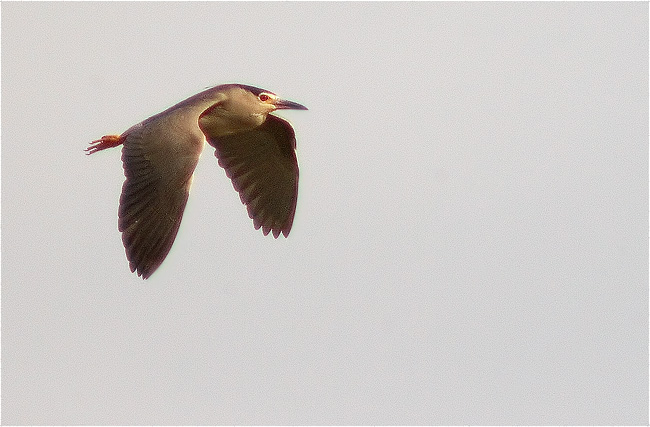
column 158, row 166
column 263, row 168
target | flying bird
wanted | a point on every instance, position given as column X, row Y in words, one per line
column 159, row 155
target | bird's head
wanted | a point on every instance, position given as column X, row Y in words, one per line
column 252, row 100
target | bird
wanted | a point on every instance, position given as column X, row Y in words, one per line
column 256, row 149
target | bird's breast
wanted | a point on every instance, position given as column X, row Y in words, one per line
column 219, row 122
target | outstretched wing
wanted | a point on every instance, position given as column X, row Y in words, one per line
column 263, row 168
column 158, row 164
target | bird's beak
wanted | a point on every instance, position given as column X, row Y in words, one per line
column 283, row 104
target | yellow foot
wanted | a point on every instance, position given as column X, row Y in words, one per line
column 107, row 141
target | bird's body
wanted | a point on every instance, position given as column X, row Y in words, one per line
column 159, row 156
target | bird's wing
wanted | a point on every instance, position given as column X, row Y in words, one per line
column 263, row 168
column 158, row 165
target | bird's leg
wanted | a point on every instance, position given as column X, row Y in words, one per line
column 106, row 141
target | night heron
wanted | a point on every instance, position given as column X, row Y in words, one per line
column 256, row 149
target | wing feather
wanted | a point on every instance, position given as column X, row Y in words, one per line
column 263, row 168
column 158, row 167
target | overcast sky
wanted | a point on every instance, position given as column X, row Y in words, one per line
column 470, row 242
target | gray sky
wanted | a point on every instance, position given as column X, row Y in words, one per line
column 470, row 242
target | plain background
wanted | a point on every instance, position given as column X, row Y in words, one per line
column 470, row 244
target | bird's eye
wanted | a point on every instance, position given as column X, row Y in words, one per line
column 264, row 97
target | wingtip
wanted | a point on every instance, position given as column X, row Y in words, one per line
column 275, row 232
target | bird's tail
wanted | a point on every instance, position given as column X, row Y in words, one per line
column 106, row 141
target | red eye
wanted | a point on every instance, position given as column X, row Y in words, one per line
column 264, row 97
